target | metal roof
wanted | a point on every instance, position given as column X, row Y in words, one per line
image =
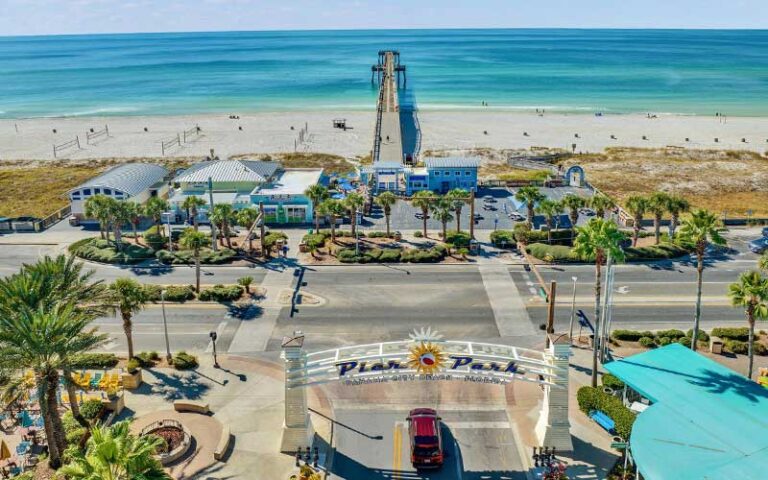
column 130, row 178
column 452, row 162
column 706, row 421
column 293, row 181
column 386, row 165
column 229, row 171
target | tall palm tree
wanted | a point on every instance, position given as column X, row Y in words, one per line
column 442, row 209
column 245, row 219
column 550, row 209
column 385, row 201
column 573, row 203
column 751, row 293
column 636, row 205
column 192, row 205
column 195, row 241
column 658, row 205
column 601, row 203
column 223, row 214
column 530, row 196
column 599, row 239
column 335, row 210
column 154, row 209
column 354, row 202
column 113, row 453
column 458, row 196
column 129, row 298
column 133, row 211
column 316, row 194
column 700, row 229
column 120, row 213
column 97, row 207
column 676, row 205
column 423, row 200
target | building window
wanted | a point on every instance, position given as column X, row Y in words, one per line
column 75, row 196
column 107, row 191
column 467, row 173
column 437, row 174
column 86, row 192
column 447, row 173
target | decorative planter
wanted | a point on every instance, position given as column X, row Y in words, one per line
column 170, row 429
column 115, row 403
column 132, row 380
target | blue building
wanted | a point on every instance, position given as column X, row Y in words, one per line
column 439, row 175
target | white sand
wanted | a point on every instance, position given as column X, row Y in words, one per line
column 270, row 132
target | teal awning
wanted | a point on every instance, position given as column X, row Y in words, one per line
column 706, row 421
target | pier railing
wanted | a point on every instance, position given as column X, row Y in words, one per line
column 377, row 130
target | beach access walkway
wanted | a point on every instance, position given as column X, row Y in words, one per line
column 388, row 139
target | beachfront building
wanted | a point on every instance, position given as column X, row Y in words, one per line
column 131, row 181
column 697, row 419
column 246, row 183
column 439, row 175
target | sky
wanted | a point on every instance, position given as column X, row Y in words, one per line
column 45, row 17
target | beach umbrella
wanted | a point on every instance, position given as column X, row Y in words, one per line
column 5, row 452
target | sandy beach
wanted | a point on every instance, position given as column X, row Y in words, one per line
column 33, row 139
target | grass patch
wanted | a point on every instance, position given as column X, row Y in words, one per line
column 103, row 251
column 331, row 164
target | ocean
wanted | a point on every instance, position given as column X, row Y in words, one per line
column 697, row 72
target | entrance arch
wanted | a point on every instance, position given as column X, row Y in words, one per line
column 575, row 176
column 427, row 357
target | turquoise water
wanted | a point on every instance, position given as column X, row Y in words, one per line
column 662, row 71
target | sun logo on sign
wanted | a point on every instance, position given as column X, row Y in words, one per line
column 426, row 358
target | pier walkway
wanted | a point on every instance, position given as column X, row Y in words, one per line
column 388, row 138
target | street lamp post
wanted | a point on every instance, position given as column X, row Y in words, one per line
column 573, row 310
column 167, row 216
column 213, row 340
column 165, row 328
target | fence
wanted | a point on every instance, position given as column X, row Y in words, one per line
column 192, row 132
column 66, row 145
column 99, row 133
column 165, row 144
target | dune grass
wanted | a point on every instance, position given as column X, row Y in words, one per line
column 330, row 163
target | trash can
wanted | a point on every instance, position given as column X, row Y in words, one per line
column 715, row 345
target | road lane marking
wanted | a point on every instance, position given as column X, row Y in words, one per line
column 478, row 425
column 397, row 449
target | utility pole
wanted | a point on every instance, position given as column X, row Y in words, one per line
column 551, row 309
column 573, row 310
column 262, row 230
column 165, row 329
column 210, row 212
column 472, row 213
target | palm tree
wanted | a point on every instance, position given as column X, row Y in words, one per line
column 599, row 239
column 701, row 229
column 530, row 196
column 458, row 196
column 423, row 199
column 601, row 203
column 113, row 453
column 334, row 209
column 442, row 209
column 636, row 206
column 354, row 202
column 658, row 205
column 129, row 298
column 245, row 282
column 195, row 241
column 97, row 207
column 550, row 209
column 245, row 219
column 154, row 209
column 676, row 205
column 573, row 203
column 316, row 194
column 120, row 214
column 222, row 215
column 191, row 205
column 751, row 293
column 385, row 201
column 133, row 211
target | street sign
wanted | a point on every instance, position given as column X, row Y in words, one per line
column 619, row 445
column 584, row 321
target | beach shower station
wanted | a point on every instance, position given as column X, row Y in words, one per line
column 427, row 357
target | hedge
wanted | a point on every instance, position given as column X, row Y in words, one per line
column 665, row 341
column 647, row 342
column 735, row 346
column 457, row 239
column 654, row 252
column 94, row 360
column 186, row 257
column 673, row 334
column 103, row 251
column 503, row 238
column 612, row 381
column 147, row 359
column 556, row 253
column 379, row 235
column 184, row 361
column 315, row 240
column 733, row 333
column 221, row 293
column 628, row 335
column 271, row 239
column 390, row 255
column 559, row 237
column 702, row 335
column 595, row 399
column 173, row 293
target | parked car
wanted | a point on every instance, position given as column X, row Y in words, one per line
column 765, row 232
column 759, row 245
column 587, row 212
column 426, row 440
column 514, row 216
column 478, row 217
column 420, row 216
column 487, row 206
column 489, row 199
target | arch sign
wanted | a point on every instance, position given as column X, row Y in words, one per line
column 425, row 356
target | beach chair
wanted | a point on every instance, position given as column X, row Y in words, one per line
column 25, row 420
column 86, row 381
column 95, row 380
column 23, row 447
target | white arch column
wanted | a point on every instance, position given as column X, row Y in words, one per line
column 297, row 429
column 553, row 428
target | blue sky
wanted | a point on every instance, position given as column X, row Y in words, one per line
column 37, row 17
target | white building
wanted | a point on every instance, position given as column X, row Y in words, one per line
column 135, row 181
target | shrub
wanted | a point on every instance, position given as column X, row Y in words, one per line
column 315, row 240
column 628, row 335
column 684, row 341
column 556, row 253
column 133, row 365
column 186, row 257
column 612, row 381
column 418, row 234
column 647, row 342
column 735, row 333
column 654, row 252
column 378, row 235
column 94, row 360
column 559, row 237
column 665, row 341
column 271, row 239
column 457, row 239
column 505, row 237
column 373, row 254
column 595, row 399
column 221, row 293
column 736, row 346
column 91, row 409
column 73, row 431
column 173, row 293
column 147, row 359
column 759, row 348
column 522, row 233
column 390, row 255
column 346, row 255
column 416, row 255
column 673, row 334
column 703, row 336
column 98, row 250
column 184, row 361
column 153, row 239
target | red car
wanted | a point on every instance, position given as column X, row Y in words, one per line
column 426, row 441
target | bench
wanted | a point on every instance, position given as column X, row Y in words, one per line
column 191, row 406
column 223, row 445
column 603, row 420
